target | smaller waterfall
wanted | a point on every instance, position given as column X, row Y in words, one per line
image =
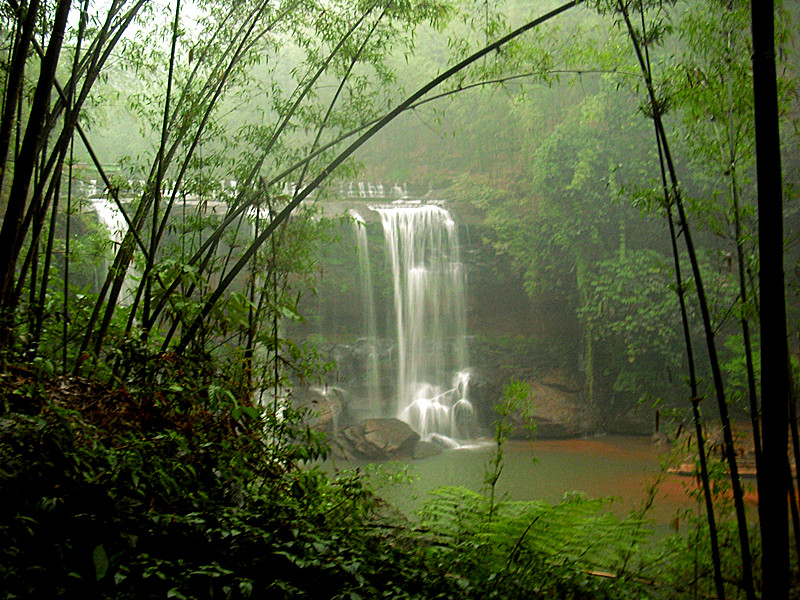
column 110, row 216
column 368, row 302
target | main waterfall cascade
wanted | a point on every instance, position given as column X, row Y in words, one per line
column 429, row 291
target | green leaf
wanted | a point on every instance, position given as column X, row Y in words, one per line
column 100, row 560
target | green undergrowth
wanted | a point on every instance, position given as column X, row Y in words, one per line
column 181, row 489
column 573, row 549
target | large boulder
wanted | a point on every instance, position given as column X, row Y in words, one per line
column 427, row 449
column 554, row 404
column 377, row 439
column 322, row 407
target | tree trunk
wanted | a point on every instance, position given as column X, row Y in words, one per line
column 773, row 467
column 14, row 80
column 11, row 234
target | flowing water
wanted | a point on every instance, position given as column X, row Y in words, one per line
column 429, row 290
column 111, row 218
column 372, row 374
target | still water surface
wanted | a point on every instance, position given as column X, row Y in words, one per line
column 608, row 466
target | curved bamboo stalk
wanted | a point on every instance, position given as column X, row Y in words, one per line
column 215, row 296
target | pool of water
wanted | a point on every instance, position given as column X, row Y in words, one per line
column 609, row 466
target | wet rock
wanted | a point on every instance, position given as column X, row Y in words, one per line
column 378, row 439
column 427, row 450
column 443, row 441
column 323, row 407
column 556, row 409
column 639, row 420
column 561, row 380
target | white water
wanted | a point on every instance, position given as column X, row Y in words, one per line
column 368, row 302
column 429, row 290
column 110, row 216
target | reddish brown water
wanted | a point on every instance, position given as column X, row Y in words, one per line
column 621, row 467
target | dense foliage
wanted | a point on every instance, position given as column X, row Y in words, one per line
column 183, row 489
column 176, row 491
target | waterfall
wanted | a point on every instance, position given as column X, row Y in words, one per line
column 429, row 286
column 111, row 218
column 368, row 302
